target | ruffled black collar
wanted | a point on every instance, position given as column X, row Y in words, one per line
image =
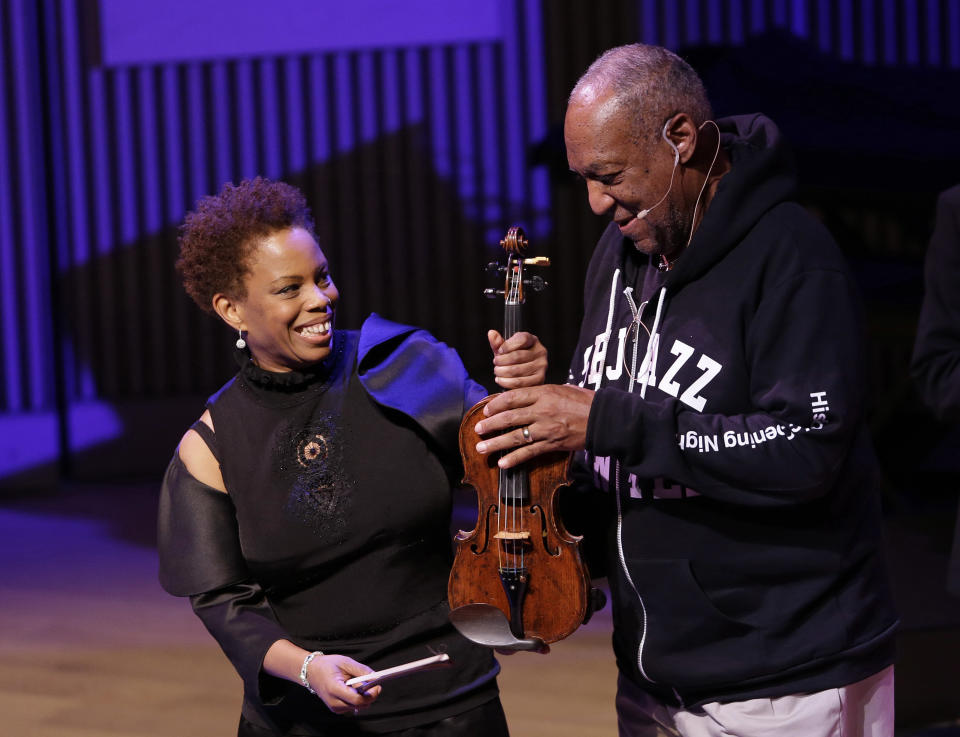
column 292, row 381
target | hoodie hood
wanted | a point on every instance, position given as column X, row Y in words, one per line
column 762, row 175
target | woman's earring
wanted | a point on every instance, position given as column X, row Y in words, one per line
column 241, row 343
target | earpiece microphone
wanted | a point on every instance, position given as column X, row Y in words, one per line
column 676, row 162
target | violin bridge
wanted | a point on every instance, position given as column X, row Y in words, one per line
column 509, row 535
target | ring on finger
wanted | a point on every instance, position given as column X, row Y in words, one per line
column 525, row 431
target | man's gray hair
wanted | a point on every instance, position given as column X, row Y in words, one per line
column 651, row 83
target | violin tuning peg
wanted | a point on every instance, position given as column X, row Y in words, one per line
column 492, row 293
column 536, row 283
column 494, row 267
column 537, row 261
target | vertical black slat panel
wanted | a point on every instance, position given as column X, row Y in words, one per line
column 268, row 107
column 246, row 120
column 522, row 104
column 517, row 189
column 450, row 220
column 480, row 69
column 105, row 362
column 468, row 253
column 10, row 330
column 29, row 361
column 890, row 41
column 457, row 253
column 648, row 23
column 348, row 206
column 373, row 237
column 928, row 33
column 212, row 344
column 398, row 267
column 432, row 209
column 851, row 44
column 562, row 68
column 452, row 93
column 556, row 65
column 320, row 147
column 489, row 114
column 670, row 25
column 500, row 142
column 742, row 12
column 694, row 22
column 417, row 195
column 902, row 15
column 56, row 320
column 221, row 138
column 712, row 16
column 128, row 246
column 81, row 286
column 952, row 28
column 220, row 133
column 428, row 210
column 257, row 116
column 191, row 184
column 156, row 278
column 175, row 197
column 74, row 281
column 10, row 378
column 867, row 33
column 292, row 105
column 166, row 300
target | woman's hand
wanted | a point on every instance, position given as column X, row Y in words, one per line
column 327, row 674
column 518, row 362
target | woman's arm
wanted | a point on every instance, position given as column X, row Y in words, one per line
column 325, row 675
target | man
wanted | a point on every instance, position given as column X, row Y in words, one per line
column 936, row 353
column 717, row 391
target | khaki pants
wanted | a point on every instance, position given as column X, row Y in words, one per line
column 862, row 709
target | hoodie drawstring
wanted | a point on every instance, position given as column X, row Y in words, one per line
column 648, row 356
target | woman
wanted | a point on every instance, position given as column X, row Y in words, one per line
column 306, row 513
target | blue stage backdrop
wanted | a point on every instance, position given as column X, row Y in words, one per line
column 419, row 130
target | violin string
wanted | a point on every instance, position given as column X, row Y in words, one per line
column 509, row 329
column 517, row 474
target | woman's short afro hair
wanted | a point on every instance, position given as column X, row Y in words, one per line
column 218, row 237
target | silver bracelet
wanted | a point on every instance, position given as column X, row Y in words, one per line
column 303, row 671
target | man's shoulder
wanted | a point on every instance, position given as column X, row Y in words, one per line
column 788, row 231
column 950, row 198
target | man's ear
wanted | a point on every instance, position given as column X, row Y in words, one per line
column 229, row 309
column 682, row 132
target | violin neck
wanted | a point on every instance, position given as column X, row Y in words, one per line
column 512, row 319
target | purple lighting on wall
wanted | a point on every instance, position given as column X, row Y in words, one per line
column 181, row 30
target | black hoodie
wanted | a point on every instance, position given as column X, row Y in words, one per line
column 744, row 544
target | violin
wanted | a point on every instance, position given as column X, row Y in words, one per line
column 518, row 581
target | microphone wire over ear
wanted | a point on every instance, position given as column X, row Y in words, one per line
column 706, row 179
column 676, row 162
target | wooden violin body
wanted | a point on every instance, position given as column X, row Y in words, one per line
column 518, row 580
column 519, row 558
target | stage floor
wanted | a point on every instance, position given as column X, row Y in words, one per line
column 90, row 646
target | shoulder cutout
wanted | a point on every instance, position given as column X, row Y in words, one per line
column 198, row 459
